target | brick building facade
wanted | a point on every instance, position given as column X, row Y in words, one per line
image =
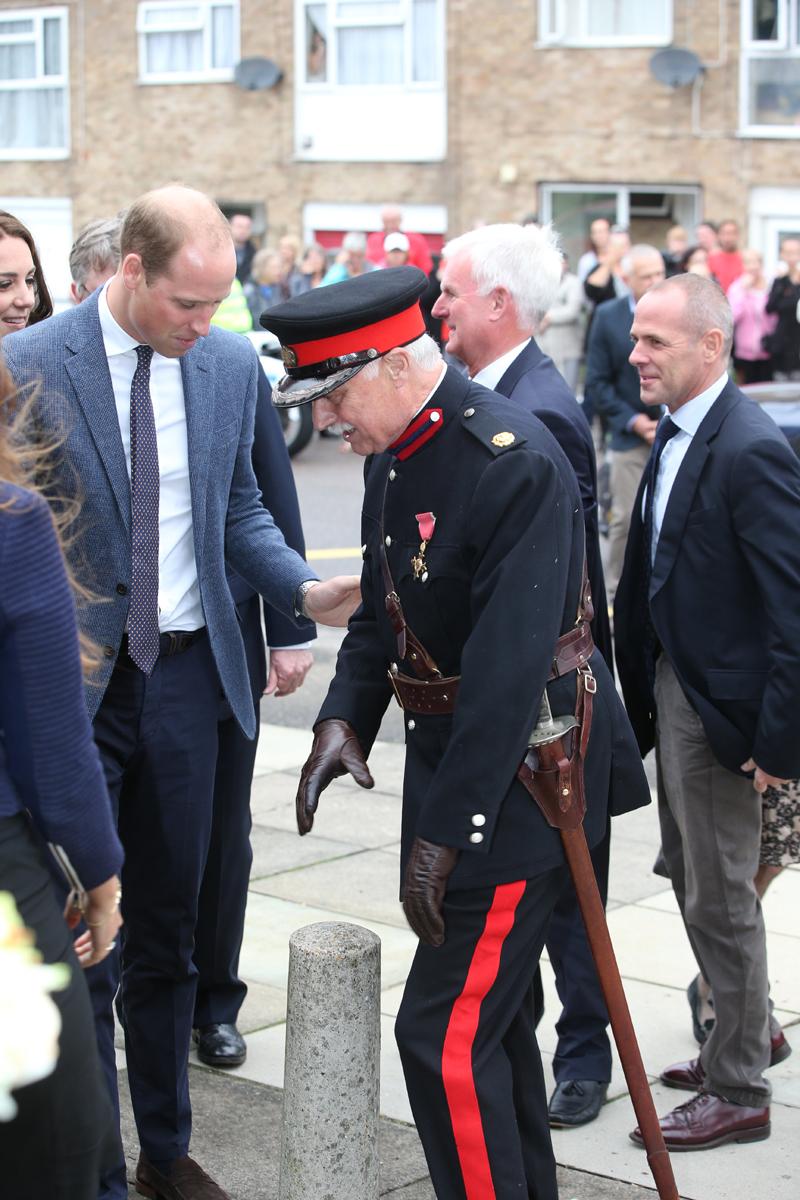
column 460, row 110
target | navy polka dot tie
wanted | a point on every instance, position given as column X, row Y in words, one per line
column 143, row 611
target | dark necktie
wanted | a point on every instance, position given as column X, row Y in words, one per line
column 143, row 630
column 666, row 430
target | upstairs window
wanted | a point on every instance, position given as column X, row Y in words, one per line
column 770, row 68
column 605, row 22
column 370, row 80
column 34, row 77
column 188, row 41
column 373, row 43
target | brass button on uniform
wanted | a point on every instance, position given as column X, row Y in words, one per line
column 387, row 540
column 476, row 838
column 469, row 412
column 412, row 724
column 479, row 819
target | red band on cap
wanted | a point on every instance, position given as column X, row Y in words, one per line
column 384, row 335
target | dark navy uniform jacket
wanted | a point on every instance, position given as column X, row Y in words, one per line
column 504, row 570
column 533, row 381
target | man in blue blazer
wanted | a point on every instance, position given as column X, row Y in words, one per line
column 707, row 631
column 496, row 284
column 154, row 410
column 612, row 392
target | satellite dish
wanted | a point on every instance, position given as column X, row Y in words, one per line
column 256, row 74
column 675, row 67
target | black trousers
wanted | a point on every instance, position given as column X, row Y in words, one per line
column 157, row 738
column 468, row 1045
column 56, row 1144
column 223, row 896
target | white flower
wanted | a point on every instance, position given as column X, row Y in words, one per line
column 29, row 1020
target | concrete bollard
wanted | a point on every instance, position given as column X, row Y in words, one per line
column 329, row 1144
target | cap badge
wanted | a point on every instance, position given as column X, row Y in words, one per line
column 503, row 439
column 426, row 523
column 289, row 357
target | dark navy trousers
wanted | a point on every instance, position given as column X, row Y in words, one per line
column 584, row 1050
column 157, row 738
column 223, row 896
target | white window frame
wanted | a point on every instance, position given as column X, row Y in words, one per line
column 783, row 47
column 40, row 81
column 401, row 14
column 556, row 34
column 622, row 192
column 206, row 74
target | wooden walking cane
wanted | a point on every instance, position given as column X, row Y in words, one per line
column 553, row 774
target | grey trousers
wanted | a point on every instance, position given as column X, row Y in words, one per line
column 626, row 474
column 711, row 837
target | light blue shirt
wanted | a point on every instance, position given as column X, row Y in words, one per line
column 689, row 417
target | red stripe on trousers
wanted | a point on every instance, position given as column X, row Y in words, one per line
column 457, row 1075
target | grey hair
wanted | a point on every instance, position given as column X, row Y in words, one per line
column 707, row 306
column 525, row 260
column 423, row 352
column 636, row 253
column 95, row 248
column 355, row 242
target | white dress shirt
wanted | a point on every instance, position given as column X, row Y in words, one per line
column 688, row 418
column 179, row 604
column 490, row 375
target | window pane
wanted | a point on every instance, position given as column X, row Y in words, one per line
column 626, row 18
column 426, row 42
column 316, row 43
column 11, row 26
column 222, row 49
column 18, row 62
column 164, row 15
column 174, row 52
column 774, row 91
column 765, row 20
column 52, row 46
column 371, row 55
column 32, row 119
column 368, row 10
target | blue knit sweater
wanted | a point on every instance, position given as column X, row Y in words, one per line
column 48, row 761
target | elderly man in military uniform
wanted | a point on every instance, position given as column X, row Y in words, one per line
column 473, row 603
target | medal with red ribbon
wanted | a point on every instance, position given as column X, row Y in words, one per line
column 426, row 523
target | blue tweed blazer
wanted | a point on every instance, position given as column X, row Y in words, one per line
column 66, row 358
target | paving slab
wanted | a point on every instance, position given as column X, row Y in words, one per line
column 346, row 812
column 365, row 885
column 276, row 851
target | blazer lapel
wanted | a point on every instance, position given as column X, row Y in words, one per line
column 531, row 356
column 198, row 373
column 685, row 486
column 88, row 372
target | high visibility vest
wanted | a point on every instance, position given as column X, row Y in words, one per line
column 233, row 313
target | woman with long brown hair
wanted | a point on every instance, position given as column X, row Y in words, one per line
column 24, row 298
column 52, row 790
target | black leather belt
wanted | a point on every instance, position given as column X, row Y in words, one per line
column 174, row 642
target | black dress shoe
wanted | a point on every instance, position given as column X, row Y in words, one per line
column 185, row 1180
column 576, row 1102
column 220, row 1045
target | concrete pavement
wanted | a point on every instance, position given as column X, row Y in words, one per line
column 347, row 869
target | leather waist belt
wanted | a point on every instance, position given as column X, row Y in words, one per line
column 437, row 696
column 573, row 650
column 174, row 642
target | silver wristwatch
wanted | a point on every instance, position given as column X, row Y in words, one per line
column 300, row 598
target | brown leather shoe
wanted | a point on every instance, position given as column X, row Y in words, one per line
column 186, row 1180
column 689, row 1075
column 706, row 1121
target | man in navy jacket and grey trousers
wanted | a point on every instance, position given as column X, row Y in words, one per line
column 612, row 391
column 708, row 648
column 153, row 411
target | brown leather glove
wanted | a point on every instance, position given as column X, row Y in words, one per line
column 336, row 750
column 427, row 872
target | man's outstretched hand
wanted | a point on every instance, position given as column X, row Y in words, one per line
column 333, row 601
column 336, row 751
column 429, row 867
